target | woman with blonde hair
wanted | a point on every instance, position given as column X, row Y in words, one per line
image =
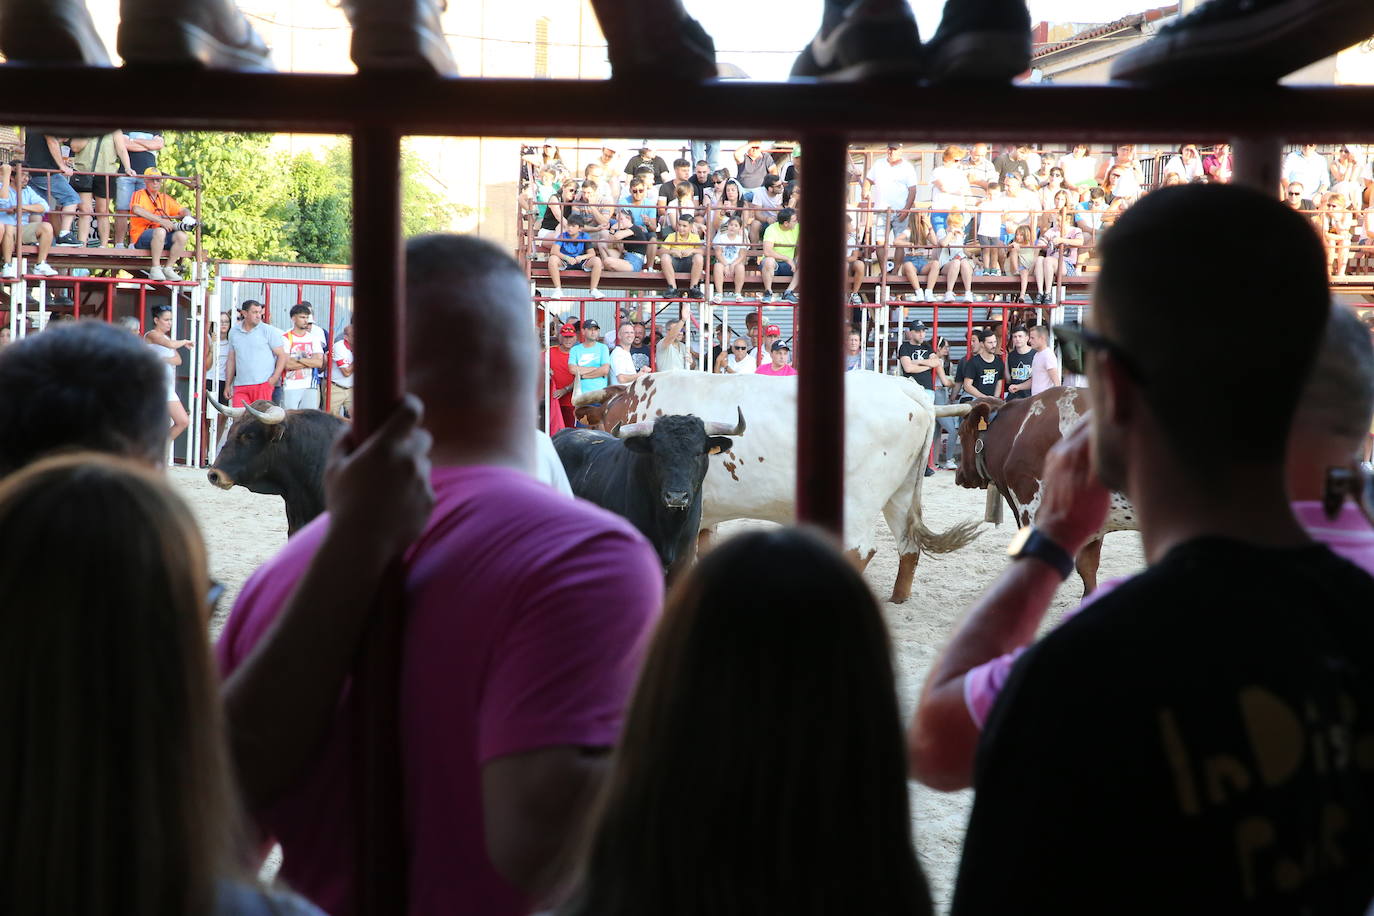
column 118, row 796
column 722, row 801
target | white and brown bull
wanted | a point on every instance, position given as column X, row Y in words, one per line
column 888, row 429
column 1003, row 445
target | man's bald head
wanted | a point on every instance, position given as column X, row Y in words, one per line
column 1338, row 401
column 467, row 320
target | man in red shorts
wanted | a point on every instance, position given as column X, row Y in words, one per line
column 256, row 358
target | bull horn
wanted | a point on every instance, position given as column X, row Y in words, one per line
column 953, row 410
column 271, row 416
column 232, row 413
column 634, row 430
column 716, row 428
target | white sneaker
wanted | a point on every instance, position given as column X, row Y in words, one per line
column 8, row 272
column 717, row 298
column 965, row 298
column 949, row 465
column 949, row 296
column 170, row 273
column 597, row 294
column 156, row 274
column 44, row 269
column 930, row 296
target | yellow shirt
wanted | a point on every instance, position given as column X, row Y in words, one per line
column 689, row 245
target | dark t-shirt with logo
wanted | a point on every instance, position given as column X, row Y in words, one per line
column 986, row 373
column 1199, row 740
column 916, row 351
column 1018, row 371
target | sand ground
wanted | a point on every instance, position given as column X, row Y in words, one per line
column 243, row 529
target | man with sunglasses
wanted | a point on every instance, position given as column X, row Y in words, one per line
column 1207, row 723
column 737, row 361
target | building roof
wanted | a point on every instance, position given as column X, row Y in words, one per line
column 1133, row 21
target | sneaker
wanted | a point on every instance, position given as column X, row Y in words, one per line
column 930, row 471
column 789, row 296
column 930, row 296
column 1246, row 41
column 596, row 294
column 50, row 32
column 170, row 273
column 866, row 40
column 911, row 297
column 93, row 243
column 641, row 36
column 950, row 464
column 949, row 296
column 66, row 238
column 717, row 298
column 62, row 299
column 695, row 293
column 980, row 41
column 156, row 274
column 768, row 297
column 201, row 33
column 672, row 292
column 406, row 35
column 964, row 298
column 856, row 299
column 9, row 272
column 44, row 269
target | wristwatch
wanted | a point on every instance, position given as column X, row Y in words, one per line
column 1032, row 542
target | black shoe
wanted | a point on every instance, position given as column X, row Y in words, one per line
column 642, row 37
column 1246, row 41
column 50, row 32
column 789, row 296
column 694, row 293
column 62, row 300
column 930, row 471
column 867, row 39
column 92, row 243
column 980, row 41
column 390, row 35
column 66, row 238
column 198, row 33
column 672, row 293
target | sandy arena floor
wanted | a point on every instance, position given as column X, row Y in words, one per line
column 243, row 529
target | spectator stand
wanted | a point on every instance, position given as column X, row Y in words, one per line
column 328, row 288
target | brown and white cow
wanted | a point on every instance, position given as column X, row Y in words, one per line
column 1004, row 444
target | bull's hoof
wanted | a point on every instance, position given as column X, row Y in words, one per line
column 898, row 598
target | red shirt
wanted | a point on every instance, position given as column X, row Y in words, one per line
column 562, row 375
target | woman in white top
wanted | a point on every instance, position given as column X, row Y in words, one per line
column 729, row 257
column 214, row 365
column 955, row 259
column 160, row 341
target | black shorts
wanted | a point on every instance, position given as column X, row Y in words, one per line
column 682, row 264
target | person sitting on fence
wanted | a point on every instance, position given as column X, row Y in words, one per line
column 1025, row 259
column 992, row 237
column 1060, row 244
column 574, row 252
column 732, row 205
column 682, row 253
column 855, row 263
column 922, row 259
column 954, row 259
column 780, row 255
column 17, row 227
column 758, row 672
column 157, row 220
column 765, row 206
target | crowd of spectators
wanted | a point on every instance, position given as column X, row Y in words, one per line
column 1020, row 212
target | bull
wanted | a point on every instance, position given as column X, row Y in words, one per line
column 888, row 429
column 1003, row 445
column 278, row 453
column 650, row 473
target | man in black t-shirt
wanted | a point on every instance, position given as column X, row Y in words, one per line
column 914, row 357
column 701, row 180
column 1201, row 737
column 984, row 374
column 1019, row 359
column 44, row 151
column 682, row 174
column 647, row 157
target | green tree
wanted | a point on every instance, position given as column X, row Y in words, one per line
column 423, row 209
column 320, row 225
column 245, row 192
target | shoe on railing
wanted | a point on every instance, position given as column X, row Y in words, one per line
column 400, row 35
column 657, row 42
column 1235, row 41
column 867, row 39
column 196, row 33
column 980, row 41
column 50, row 32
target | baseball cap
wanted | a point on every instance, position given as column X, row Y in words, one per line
column 152, row 171
column 550, row 141
column 567, row 331
column 780, row 345
column 610, row 145
column 916, row 325
column 591, row 324
column 772, row 329
column 893, row 144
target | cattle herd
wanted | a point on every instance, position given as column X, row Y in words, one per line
column 662, row 453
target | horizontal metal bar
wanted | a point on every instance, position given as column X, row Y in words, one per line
column 330, row 103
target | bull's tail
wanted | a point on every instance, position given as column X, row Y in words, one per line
column 955, row 537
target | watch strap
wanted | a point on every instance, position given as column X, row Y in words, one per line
column 1043, row 547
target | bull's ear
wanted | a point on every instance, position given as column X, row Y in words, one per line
column 978, row 415
column 640, row 444
column 717, row 444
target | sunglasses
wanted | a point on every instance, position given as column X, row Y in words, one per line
column 1354, row 482
column 739, row 348
column 1091, row 340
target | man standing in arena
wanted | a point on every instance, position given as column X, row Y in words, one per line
column 526, row 615
column 1044, row 364
column 914, row 356
column 341, row 374
column 256, row 358
column 305, row 346
column 1207, row 723
column 1019, row 365
column 560, row 376
column 983, row 372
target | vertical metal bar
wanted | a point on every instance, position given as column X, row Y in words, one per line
column 378, row 283
column 1258, row 161
column 327, row 377
column 820, row 341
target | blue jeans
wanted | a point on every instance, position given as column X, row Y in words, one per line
column 705, row 149
column 948, row 424
column 62, row 194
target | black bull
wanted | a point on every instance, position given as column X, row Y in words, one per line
column 278, row 453
column 650, row 473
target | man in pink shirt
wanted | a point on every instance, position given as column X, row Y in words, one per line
column 780, row 352
column 1328, row 431
column 526, row 615
column 1044, row 365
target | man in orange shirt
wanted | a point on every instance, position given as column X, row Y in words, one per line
column 156, row 216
